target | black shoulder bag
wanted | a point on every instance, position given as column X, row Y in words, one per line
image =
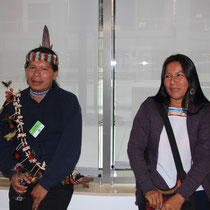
column 190, row 204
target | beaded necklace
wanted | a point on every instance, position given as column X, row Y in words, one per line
column 21, row 135
column 38, row 94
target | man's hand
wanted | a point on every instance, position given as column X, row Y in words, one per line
column 173, row 203
column 38, row 194
column 16, row 182
column 155, row 199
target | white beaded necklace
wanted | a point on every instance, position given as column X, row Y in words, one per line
column 21, row 135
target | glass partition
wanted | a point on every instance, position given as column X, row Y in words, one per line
column 73, row 27
column 111, row 53
column 146, row 32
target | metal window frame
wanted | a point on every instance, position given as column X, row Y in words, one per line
column 107, row 90
column 107, row 95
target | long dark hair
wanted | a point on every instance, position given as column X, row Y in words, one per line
column 194, row 94
column 45, row 50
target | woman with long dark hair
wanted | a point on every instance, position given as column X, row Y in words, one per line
column 149, row 150
column 194, row 93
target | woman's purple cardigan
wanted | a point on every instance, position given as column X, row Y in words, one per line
column 146, row 130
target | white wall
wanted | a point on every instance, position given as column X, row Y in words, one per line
column 88, row 202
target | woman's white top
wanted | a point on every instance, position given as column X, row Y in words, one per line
column 165, row 163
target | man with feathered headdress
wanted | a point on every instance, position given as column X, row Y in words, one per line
column 40, row 136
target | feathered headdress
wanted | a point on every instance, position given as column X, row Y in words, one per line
column 46, row 38
column 39, row 56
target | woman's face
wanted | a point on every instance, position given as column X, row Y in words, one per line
column 40, row 75
column 176, row 83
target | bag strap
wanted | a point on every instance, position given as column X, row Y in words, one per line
column 179, row 167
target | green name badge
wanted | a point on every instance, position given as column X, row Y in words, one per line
column 36, row 129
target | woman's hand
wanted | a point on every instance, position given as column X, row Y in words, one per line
column 38, row 194
column 155, row 199
column 173, row 203
column 16, row 182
